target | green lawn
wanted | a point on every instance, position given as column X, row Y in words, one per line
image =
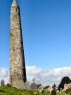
column 13, row 91
column 6, row 90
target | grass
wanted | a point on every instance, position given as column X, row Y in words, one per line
column 7, row 90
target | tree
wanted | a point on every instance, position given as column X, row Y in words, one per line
column 65, row 80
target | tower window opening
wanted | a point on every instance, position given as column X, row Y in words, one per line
column 16, row 10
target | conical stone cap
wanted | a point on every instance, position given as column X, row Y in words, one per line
column 14, row 3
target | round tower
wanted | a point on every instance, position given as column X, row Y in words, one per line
column 17, row 60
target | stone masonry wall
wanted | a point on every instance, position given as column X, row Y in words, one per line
column 17, row 60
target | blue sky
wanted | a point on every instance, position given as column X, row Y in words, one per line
column 46, row 27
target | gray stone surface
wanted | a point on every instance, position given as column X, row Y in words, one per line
column 17, row 60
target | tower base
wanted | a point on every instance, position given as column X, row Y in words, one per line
column 20, row 85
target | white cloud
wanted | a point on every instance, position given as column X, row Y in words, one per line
column 46, row 77
column 3, row 72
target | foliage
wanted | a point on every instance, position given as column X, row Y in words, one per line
column 7, row 90
column 46, row 87
column 63, row 93
column 65, row 80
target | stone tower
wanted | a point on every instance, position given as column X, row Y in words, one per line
column 17, row 60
